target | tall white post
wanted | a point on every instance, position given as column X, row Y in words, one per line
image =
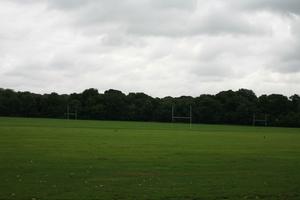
column 191, row 116
column 172, row 113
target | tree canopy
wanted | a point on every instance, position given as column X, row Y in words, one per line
column 226, row 107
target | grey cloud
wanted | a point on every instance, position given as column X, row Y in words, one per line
column 287, row 59
column 166, row 4
column 289, row 62
column 286, row 6
column 175, row 4
column 208, row 71
column 68, row 4
column 159, row 47
column 291, row 66
column 154, row 17
column 58, row 4
column 286, row 63
column 165, row 18
column 277, row 5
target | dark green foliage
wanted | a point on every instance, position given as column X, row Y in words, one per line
column 226, row 107
column 140, row 107
column 207, row 109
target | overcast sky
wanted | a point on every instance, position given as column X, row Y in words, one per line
column 160, row 47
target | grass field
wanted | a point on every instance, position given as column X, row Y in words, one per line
column 60, row 159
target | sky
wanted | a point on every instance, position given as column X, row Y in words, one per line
column 159, row 47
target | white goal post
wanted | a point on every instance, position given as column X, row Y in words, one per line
column 68, row 113
column 190, row 118
column 260, row 120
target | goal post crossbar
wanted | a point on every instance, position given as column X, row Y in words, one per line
column 265, row 120
column 183, row 117
column 68, row 113
column 178, row 117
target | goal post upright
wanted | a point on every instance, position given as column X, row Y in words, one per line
column 68, row 113
column 172, row 113
column 189, row 117
column 263, row 120
column 266, row 120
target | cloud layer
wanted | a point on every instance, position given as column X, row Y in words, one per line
column 169, row 47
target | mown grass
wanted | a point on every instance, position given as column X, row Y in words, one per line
column 60, row 159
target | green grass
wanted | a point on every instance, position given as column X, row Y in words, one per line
column 60, row 159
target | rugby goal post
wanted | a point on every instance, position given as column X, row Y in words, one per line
column 68, row 114
column 190, row 117
column 260, row 120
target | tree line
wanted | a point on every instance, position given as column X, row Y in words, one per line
column 226, row 107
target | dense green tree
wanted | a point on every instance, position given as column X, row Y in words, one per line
column 207, row 109
column 9, row 103
column 28, row 105
column 295, row 103
column 226, row 107
column 116, row 105
column 163, row 109
column 140, row 107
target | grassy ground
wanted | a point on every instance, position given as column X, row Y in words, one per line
column 60, row 159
